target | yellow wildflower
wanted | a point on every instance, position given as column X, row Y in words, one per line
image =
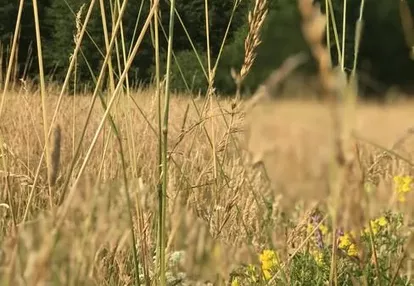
column 318, row 256
column 269, row 261
column 267, row 274
column 376, row 225
column 235, row 282
column 345, row 241
column 309, row 228
column 352, row 250
column 381, row 221
column 402, row 186
column 323, row 229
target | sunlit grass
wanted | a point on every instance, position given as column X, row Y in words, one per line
column 151, row 187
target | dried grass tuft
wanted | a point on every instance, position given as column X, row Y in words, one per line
column 55, row 154
column 252, row 41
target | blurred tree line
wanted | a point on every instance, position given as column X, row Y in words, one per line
column 383, row 57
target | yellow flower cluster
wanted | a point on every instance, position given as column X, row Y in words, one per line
column 322, row 228
column 346, row 243
column 318, row 256
column 235, row 282
column 402, row 186
column 376, row 225
column 269, row 261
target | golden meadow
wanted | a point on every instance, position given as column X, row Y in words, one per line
column 151, row 187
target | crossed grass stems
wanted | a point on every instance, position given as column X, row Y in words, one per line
column 336, row 89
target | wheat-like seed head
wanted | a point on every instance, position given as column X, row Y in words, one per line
column 256, row 19
column 55, row 154
column 252, row 41
column 78, row 24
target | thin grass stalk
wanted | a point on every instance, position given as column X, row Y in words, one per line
column 374, row 253
column 191, row 43
column 131, row 139
column 110, row 71
column 16, row 61
column 13, row 51
column 11, row 207
column 1, row 65
column 123, row 47
column 337, row 170
column 164, row 134
column 343, row 35
column 42, row 94
column 103, row 103
column 352, row 88
column 29, row 61
column 102, row 164
column 328, row 32
column 159, row 116
column 75, row 79
column 113, row 9
column 112, row 5
column 358, row 35
column 74, row 113
column 335, row 30
column 210, row 92
column 187, row 86
column 208, row 40
column 124, row 173
column 127, row 86
column 117, row 64
column 136, row 27
column 106, row 38
column 224, row 41
column 57, row 108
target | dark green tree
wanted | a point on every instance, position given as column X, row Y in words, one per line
column 384, row 54
column 61, row 20
column 27, row 49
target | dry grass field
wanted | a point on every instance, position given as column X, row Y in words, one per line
column 147, row 187
column 222, row 210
